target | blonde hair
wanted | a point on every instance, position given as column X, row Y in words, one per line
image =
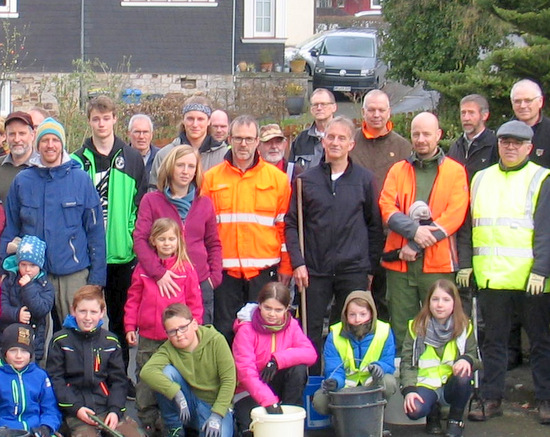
column 169, row 163
column 162, row 225
column 420, row 322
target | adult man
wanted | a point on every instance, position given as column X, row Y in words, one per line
column 511, row 260
column 194, row 131
column 119, row 176
column 38, row 115
column 377, row 148
column 527, row 102
column 56, row 201
column 219, row 125
column 342, row 230
column 307, row 150
column 250, row 200
column 20, row 138
column 426, row 252
column 272, row 149
column 377, row 145
column 140, row 132
column 476, row 149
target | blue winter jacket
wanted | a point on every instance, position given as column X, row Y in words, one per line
column 59, row 205
column 27, row 399
column 38, row 296
column 333, row 362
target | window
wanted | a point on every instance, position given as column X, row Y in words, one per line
column 376, row 4
column 324, row 3
column 8, row 9
column 173, row 3
column 5, row 97
column 264, row 21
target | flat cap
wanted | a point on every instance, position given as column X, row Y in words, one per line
column 515, row 129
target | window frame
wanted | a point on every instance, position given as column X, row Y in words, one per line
column 278, row 21
column 9, row 10
column 169, row 3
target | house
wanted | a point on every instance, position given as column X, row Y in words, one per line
column 352, row 7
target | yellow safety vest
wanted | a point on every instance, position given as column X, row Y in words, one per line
column 503, row 206
column 359, row 376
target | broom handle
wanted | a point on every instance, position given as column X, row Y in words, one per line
column 302, row 289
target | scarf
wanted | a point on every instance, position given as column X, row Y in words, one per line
column 260, row 325
column 182, row 204
column 437, row 335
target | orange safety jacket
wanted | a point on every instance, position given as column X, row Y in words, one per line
column 250, row 209
column 448, row 204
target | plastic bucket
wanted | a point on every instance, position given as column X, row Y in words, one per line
column 358, row 411
column 8, row 432
column 288, row 424
column 314, row 420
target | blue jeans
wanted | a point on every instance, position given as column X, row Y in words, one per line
column 200, row 410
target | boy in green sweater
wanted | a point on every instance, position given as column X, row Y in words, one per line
column 194, row 375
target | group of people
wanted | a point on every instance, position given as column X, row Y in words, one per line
column 189, row 252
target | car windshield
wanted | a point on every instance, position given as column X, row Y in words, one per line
column 353, row 46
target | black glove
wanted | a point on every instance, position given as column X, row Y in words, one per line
column 329, row 384
column 269, row 371
column 376, row 371
column 274, row 409
column 42, row 431
column 213, row 426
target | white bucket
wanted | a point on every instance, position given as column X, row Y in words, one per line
column 289, row 424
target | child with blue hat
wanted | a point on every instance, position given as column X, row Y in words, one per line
column 27, row 295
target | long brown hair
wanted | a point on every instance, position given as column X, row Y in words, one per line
column 166, row 169
column 162, row 225
column 420, row 323
column 277, row 291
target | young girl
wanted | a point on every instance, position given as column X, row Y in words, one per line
column 145, row 304
column 271, row 355
column 438, row 360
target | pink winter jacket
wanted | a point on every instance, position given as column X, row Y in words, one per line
column 144, row 306
column 252, row 350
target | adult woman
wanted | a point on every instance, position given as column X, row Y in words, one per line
column 178, row 197
column 271, row 355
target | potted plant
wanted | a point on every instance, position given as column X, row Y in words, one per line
column 294, row 98
column 242, row 66
column 266, row 60
column 298, row 63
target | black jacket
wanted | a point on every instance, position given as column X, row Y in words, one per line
column 342, row 223
column 483, row 152
column 306, row 150
column 541, row 143
column 87, row 370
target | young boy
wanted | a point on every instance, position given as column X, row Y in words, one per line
column 86, row 368
column 27, row 400
column 27, row 295
column 358, row 350
column 194, row 374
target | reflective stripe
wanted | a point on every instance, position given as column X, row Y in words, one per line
column 511, row 222
column 351, row 383
column 533, row 188
column 431, row 382
column 230, row 263
column 279, row 218
column 283, row 248
column 504, row 251
column 424, row 364
column 245, row 218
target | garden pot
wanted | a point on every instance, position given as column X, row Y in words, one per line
column 295, row 105
column 298, row 65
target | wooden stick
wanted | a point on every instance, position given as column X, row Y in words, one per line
column 301, row 289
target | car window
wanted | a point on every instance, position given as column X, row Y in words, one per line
column 349, row 46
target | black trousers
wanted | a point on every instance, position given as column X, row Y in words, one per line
column 288, row 384
column 231, row 296
column 119, row 277
column 319, row 295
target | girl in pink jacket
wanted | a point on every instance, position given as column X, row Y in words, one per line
column 145, row 304
column 271, row 354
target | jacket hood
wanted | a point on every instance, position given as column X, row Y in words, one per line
column 206, row 334
column 70, row 323
column 364, row 296
column 11, row 265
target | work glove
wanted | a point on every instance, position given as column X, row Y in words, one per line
column 41, row 431
column 181, row 402
column 376, row 371
column 329, row 384
column 274, row 409
column 269, row 371
column 213, row 425
column 535, row 284
column 463, row 277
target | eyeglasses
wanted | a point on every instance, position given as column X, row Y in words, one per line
column 514, row 144
column 519, row 102
column 179, row 330
column 321, row 105
column 239, row 140
column 141, row 132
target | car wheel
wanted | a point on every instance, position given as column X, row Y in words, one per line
column 308, row 70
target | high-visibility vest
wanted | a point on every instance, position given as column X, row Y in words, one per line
column 433, row 370
column 359, row 376
column 503, row 206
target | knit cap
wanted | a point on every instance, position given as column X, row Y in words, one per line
column 18, row 335
column 50, row 126
column 31, row 249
